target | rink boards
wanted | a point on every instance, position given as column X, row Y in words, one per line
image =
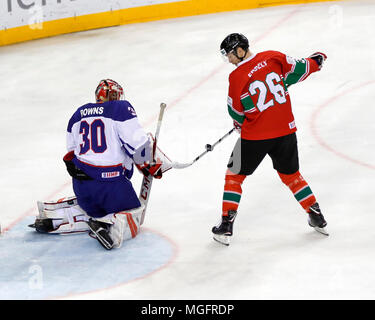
column 21, row 21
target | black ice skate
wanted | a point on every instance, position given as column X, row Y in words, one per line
column 223, row 232
column 316, row 219
column 42, row 225
column 101, row 232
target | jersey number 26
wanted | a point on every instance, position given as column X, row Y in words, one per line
column 273, row 84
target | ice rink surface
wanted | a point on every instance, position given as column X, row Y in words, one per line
column 274, row 254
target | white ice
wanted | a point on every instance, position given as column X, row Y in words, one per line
column 273, row 254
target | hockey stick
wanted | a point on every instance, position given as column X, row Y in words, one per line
column 144, row 195
column 209, row 148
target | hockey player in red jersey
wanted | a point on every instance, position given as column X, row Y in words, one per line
column 259, row 103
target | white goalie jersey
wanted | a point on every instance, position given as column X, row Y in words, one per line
column 104, row 138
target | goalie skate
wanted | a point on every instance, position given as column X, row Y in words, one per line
column 112, row 229
column 42, row 225
column 100, row 231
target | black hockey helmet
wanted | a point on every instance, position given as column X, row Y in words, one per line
column 232, row 42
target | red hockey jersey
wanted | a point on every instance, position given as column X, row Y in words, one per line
column 258, row 98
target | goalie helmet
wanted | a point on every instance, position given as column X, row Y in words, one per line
column 108, row 90
column 232, row 42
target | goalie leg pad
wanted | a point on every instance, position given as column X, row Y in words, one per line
column 65, row 202
column 124, row 225
column 61, row 217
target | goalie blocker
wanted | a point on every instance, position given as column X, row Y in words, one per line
column 160, row 164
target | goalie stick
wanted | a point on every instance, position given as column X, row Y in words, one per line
column 208, row 147
column 144, row 194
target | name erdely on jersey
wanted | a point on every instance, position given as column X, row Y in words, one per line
column 106, row 130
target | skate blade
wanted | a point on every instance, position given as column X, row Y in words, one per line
column 317, row 229
column 321, row 230
column 225, row 240
column 101, row 240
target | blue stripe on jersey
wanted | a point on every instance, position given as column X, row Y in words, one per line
column 127, row 145
column 127, row 152
column 116, row 110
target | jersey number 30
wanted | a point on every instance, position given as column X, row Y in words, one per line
column 93, row 137
column 273, row 84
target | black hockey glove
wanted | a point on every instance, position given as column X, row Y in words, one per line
column 73, row 171
column 319, row 58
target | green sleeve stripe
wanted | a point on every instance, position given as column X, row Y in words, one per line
column 298, row 73
column 247, row 103
column 236, row 116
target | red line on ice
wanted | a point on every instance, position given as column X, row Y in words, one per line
column 323, row 142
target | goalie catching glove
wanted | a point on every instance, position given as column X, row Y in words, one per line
column 73, row 171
